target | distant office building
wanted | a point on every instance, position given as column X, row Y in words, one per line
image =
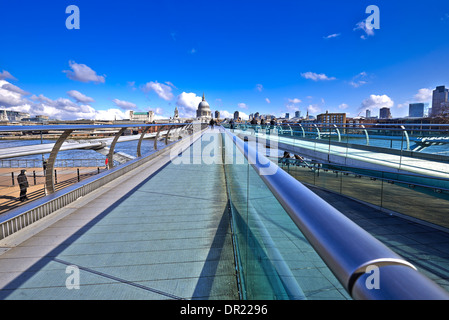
column 416, row 110
column 331, row 118
column 445, row 108
column 4, row 116
column 236, row 115
column 217, row 114
column 368, row 113
column 13, row 116
column 440, row 95
column 141, row 116
column 297, row 114
column 384, row 113
column 287, row 115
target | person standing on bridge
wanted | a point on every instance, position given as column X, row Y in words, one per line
column 23, row 184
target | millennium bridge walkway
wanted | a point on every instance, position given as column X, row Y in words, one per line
column 209, row 217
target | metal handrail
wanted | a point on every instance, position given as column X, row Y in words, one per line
column 62, row 127
column 346, row 248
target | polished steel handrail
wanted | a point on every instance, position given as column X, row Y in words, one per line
column 346, row 248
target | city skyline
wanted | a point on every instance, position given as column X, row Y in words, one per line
column 248, row 57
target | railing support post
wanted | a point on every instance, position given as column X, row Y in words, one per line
column 157, row 136
column 406, row 137
column 49, row 178
column 338, row 132
column 168, row 132
column 366, row 134
column 318, row 131
column 144, row 131
column 111, row 150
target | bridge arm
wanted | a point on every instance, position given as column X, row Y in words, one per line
column 139, row 144
column 111, row 150
column 49, row 178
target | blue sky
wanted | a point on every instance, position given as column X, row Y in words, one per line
column 251, row 56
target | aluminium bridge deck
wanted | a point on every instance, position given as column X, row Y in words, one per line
column 158, row 232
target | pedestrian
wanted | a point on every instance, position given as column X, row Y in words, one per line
column 44, row 166
column 23, row 184
column 106, row 161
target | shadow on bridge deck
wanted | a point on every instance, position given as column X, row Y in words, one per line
column 159, row 232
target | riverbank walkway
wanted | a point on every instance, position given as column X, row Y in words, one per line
column 9, row 193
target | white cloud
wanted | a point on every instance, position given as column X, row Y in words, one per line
column 124, row 105
column 11, row 95
column 111, row 114
column 362, row 26
column 226, row 114
column 6, row 75
column 423, row 95
column 313, row 108
column 316, row 76
column 10, row 87
column 343, row 106
column 334, row 35
column 79, row 97
column 294, row 100
column 377, row 102
column 162, row 90
column 242, row 105
column 267, row 100
column 83, row 73
column 170, row 84
column 243, row 115
column 61, row 108
column 359, row 80
column 259, row 87
column 188, row 104
column 158, row 111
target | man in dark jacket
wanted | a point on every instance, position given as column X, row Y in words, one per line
column 23, row 184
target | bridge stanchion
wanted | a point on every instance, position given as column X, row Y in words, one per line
column 49, row 178
column 366, row 134
column 405, row 133
column 139, row 144
column 111, row 149
column 168, row 132
column 12, row 178
column 157, row 136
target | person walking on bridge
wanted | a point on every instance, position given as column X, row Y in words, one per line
column 23, row 184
